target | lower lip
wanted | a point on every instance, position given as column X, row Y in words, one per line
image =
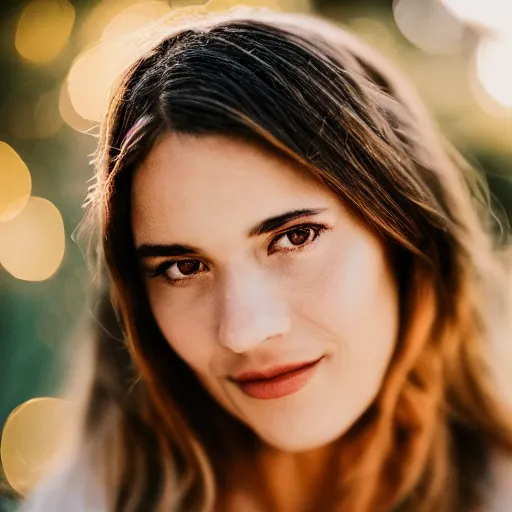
column 280, row 386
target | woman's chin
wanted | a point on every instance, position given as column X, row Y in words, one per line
column 303, row 440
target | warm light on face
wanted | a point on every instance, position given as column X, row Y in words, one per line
column 31, row 441
column 43, row 29
column 32, row 244
column 16, row 183
column 315, row 287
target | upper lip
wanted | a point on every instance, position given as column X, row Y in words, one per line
column 272, row 372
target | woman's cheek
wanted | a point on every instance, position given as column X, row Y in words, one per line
column 346, row 289
column 186, row 325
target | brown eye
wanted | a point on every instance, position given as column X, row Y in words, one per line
column 188, row 267
column 299, row 236
column 182, row 270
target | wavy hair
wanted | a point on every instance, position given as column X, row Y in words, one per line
column 313, row 92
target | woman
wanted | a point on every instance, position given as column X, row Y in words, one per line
column 306, row 283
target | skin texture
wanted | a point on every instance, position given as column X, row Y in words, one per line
column 249, row 303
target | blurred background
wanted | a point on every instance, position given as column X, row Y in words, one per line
column 56, row 65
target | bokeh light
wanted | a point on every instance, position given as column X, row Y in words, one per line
column 68, row 113
column 277, row 5
column 94, row 72
column 43, row 29
column 32, row 441
column 16, row 183
column 91, row 29
column 492, row 14
column 112, row 27
column 494, row 70
column 32, row 244
column 428, row 24
column 134, row 18
column 91, row 78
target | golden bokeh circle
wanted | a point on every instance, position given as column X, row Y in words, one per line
column 31, row 441
column 16, row 183
column 96, row 70
column 68, row 113
column 91, row 78
column 32, row 244
column 276, row 5
column 43, row 29
column 133, row 18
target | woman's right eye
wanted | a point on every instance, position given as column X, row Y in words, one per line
column 174, row 271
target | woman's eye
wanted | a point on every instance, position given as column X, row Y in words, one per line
column 174, row 271
column 296, row 238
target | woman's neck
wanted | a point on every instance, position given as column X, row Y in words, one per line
column 293, row 480
column 273, row 480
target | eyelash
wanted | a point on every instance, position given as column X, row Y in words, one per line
column 316, row 229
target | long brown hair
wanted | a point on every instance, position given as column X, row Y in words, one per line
column 313, row 92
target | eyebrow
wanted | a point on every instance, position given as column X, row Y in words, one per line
column 266, row 226
column 273, row 223
column 146, row 251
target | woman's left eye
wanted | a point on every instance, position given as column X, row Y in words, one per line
column 297, row 238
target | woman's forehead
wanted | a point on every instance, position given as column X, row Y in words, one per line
column 199, row 184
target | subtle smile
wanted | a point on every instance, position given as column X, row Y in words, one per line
column 278, row 381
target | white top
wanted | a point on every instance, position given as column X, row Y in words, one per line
column 78, row 490
column 74, row 489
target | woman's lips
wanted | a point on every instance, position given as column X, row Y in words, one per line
column 278, row 381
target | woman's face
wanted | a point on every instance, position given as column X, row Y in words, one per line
column 281, row 302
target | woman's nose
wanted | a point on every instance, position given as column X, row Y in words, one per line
column 251, row 310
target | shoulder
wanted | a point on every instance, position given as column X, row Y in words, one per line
column 74, row 488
